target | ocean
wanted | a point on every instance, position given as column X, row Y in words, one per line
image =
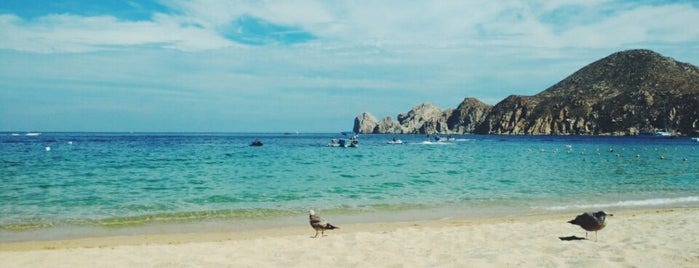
column 68, row 185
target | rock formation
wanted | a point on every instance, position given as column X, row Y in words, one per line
column 365, row 123
column 424, row 118
column 386, row 125
column 469, row 114
column 626, row 93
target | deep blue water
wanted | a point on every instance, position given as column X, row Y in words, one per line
column 113, row 180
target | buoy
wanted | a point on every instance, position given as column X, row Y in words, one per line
column 47, row 148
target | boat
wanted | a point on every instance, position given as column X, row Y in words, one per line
column 352, row 142
column 256, row 143
column 334, row 143
column 395, row 141
column 438, row 138
column 663, row 134
column 657, row 134
column 695, row 139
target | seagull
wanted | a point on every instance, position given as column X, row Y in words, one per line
column 319, row 224
column 591, row 221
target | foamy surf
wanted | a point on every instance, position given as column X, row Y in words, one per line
column 654, row 202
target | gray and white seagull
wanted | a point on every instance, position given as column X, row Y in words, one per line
column 319, row 224
column 591, row 221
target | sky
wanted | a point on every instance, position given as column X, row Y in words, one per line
column 297, row 65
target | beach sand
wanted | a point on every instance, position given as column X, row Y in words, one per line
column 648, row 238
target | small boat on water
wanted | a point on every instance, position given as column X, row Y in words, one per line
column 352, row 142
column 663, row 134
column 334, row 143
column 657, row 134
column 256, row 143
column 395, row 141
column 438, row 138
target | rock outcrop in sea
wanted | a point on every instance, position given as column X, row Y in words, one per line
column 626, row 93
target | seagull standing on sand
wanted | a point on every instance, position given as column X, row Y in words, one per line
column 591, row 221
column 319, row 224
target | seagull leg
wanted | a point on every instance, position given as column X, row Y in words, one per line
column 316, row 234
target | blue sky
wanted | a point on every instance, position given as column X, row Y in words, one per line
column 309, row 66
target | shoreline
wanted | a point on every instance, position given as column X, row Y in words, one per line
column 636, row 238
column 212, row 235
column 349, row 217
column 219, row 234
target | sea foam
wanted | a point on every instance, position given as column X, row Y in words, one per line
column 654, row 202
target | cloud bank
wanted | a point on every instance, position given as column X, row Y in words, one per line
column 308, row 65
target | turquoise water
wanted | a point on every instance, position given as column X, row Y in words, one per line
column 88, row 182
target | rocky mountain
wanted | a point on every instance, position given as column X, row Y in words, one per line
column 626, row 93
column 468, row 115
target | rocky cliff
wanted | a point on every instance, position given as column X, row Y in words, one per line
column 626, row 93
column 427, row 118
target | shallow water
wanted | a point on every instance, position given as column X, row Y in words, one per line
column 88, row 182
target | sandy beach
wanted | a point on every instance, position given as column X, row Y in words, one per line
column 648, row 238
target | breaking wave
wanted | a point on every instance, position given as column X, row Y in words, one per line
column 632, row 203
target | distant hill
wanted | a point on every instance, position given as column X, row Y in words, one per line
column 627, row 93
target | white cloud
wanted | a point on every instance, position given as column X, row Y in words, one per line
column 198, row 25
column 68, row 33
column 380, row 56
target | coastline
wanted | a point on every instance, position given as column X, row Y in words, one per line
column 644, row 238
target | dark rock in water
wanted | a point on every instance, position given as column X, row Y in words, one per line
column 626, row 93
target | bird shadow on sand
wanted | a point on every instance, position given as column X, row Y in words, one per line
column 571, row 238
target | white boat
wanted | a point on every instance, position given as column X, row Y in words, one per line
column 32, row 134
column 443, row 138
column 353, row 142
column 695, row 139
column 334, row 143
column 395, row 141
column 663, row 134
